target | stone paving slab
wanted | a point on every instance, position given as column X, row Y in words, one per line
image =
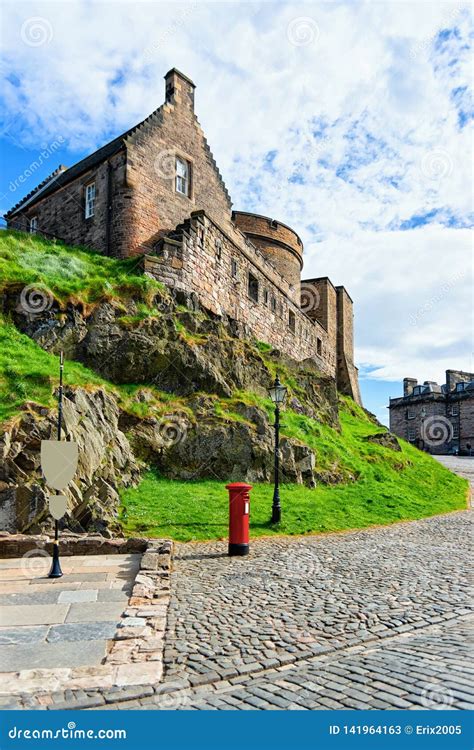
column 94, row 611
column 33, row 614
column 51, row 655
column 88, row 650
column 9, row 636
column 73, row 597
column 82, row 631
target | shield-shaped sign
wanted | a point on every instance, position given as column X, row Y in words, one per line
column 57, row 506
column 58, row 462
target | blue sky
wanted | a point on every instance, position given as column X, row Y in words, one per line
column 350, row 121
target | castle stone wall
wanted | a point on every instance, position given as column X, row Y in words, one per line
column 202, row 260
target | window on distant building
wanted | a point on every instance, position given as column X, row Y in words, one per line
column 455, row 431
column 218, row 249
column 183, row 173
column 33, row 225
column 455, row 410
column 90, row 200
column 411, row 434
column 274, row 304
column 291, row 320
column 265, row 297
column 319, row 346
column 233, row 268
column 411, row 414
column 460, row 386
column 253, row 287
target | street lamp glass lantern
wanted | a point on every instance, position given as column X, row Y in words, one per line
column 277, row 392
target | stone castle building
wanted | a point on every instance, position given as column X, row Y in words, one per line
column 156, row 191
column 436, row 418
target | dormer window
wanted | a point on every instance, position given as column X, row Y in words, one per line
column 33, row 225
column 90, row 200
column 183, row 172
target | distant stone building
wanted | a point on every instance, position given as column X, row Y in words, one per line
column 156, row 191
column 436, row 418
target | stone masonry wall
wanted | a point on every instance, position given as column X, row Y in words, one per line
column 440, row 430
column 202, row 260
column 62, row 213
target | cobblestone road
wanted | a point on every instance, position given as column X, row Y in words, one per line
column 368, row 619
column 365, row 619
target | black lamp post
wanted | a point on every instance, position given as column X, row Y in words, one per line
column 56, row 571
column 277, row 395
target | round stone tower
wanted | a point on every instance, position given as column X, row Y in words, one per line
column 280, row 244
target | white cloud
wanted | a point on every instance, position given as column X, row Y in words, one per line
column 373, row 76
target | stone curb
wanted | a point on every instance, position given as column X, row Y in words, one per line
column 16, row 545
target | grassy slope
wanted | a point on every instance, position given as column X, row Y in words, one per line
column 390, row 486
column 382, row 495
column 77, row 274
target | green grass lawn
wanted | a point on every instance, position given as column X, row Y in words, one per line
column 187, row 511
column 76, row 274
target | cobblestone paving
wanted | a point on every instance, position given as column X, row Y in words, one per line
column 292, row 599
column 422, row 670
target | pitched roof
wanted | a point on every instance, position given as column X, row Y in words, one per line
column 62, row 175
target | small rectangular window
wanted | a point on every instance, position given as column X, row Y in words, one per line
column 319, row 346
column 90, row 200
column 455, row 410
column 33, row 225
column 274, row 304
column 411, row 434
column 182, row 176
column 456, row 431
column 265, row 296
column 410, row 414
column 291, row 320
column 253, row 287
column 218, row 249
column 233, row 268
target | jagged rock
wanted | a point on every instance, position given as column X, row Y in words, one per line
column 386, row 439
column 229, row 450
column 182, row 352
column 105, row 463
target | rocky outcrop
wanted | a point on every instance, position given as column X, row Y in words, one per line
column 179, row 350
column 385, row 439
column 214, row 448
column 106, row 463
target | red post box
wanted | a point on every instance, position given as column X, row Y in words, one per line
column 239, row 512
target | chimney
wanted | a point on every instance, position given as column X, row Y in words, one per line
column 179, row 89
column 408, row 385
